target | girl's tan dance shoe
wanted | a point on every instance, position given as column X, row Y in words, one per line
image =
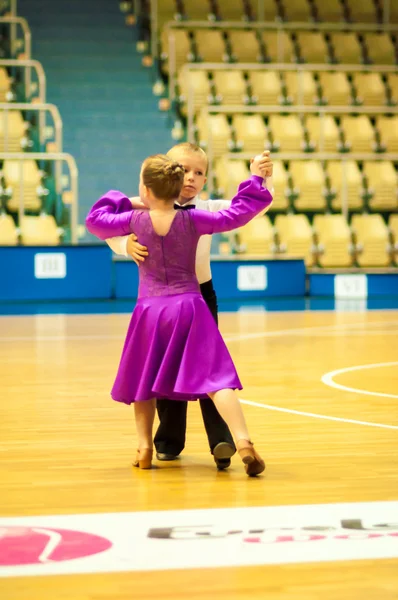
column 143, row 458
column 254, row 464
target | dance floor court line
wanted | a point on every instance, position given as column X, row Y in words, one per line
column 321, row 399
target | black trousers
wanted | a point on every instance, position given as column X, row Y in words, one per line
column 170, row 436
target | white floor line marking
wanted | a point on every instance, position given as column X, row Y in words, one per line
column 354, row 333
column 305, row 330
column 328, row 379
column 316, row 416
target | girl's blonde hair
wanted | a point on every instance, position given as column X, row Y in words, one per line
column 163, row 176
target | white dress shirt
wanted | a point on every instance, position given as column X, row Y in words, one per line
column 203, row 270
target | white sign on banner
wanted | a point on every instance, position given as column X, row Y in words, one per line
column 192, row 539
column 252, row 278
column 50, row 265
column 351, row 286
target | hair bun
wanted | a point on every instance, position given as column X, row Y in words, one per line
column 173, row 168
column 163, row 176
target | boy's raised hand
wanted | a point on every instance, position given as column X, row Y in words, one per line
column 261, row 165
column 135, row 250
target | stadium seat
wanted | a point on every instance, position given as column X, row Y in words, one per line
column 393, row 228
column 40, row 231
column 297, row 10
column 393, row 12
column 245, row 46
column 347, row 48
column 359, row 133
column 380, row 48
column 214, row 132
column 388, row 128
column 233, row 10
column 8, row 231
column 370, row 88
column 382, row 181
column 371, row 235
column 363, row 11
column 301, row 87
column 257, row 237
column 280, row 200
column 279, row 46
column 336, row 89
column 230, row 173
column 313, row 47
column 31, row 181
column 196, row 11
column 166, row 11
column 393, row 224
column 345, row 178
column 309, row 182
column 330, row 11
column 197, row 83
column 295, row 236
column 5, row 85
column 323, row 132
column 334, row 241
column 393, row 85
column 250, row 132
column 270, row 9
column 182, row 48
column 12, row 131
column 286, row 132
column 230, row 87
column 266, row 87
column 210, row 46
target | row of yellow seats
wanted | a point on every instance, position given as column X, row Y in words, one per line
column 34, row 231
column 366, row 11
column 294, row 134
column 348, row 48
column 209, row 45
column 276, row 88
column 233, row 10
column 310, row 182
column 329, row 242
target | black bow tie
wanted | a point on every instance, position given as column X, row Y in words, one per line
column 185, row 207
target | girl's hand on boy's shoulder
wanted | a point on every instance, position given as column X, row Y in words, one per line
column 136, row 203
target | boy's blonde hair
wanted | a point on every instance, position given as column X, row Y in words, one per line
column 162, row 175
column 189, row 149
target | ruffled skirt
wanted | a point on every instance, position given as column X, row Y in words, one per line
column 173, row 350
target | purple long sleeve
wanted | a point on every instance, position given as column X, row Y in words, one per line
column 110, row 216
column 250, row 200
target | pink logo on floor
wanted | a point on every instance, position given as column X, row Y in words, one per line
column 43, row 545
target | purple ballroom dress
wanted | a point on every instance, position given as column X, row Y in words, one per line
column 173, row 348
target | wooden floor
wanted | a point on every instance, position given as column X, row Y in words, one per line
column 66, row 448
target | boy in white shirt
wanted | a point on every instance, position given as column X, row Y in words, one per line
column 170, row 436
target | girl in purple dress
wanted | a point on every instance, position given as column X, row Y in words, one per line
column 173, row 348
